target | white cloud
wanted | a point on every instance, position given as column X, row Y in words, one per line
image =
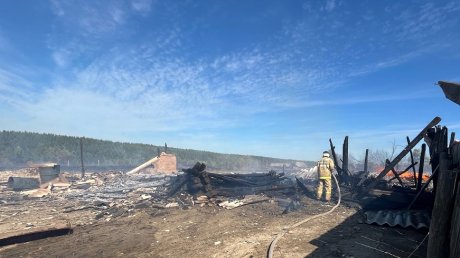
column 57, row 7
column 330, row 5
column 61, row 57
column 156, row 85
column 14, row 86
column 100, row 18
column 142, row 6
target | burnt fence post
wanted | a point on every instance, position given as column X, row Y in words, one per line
column 438, row 242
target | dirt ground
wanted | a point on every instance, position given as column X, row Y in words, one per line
column 212, row 231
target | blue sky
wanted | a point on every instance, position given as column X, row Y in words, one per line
column 270, row 78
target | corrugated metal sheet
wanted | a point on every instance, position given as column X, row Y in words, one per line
column 403, row 218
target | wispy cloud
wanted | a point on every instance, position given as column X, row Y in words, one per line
column 330, row 5
column 408, row 32
column 111, row 72
column 142, row 6
column 90, row 17
column 91, row 24
column 171, row 88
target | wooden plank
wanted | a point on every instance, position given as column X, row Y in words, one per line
column 23, row 236
column 403, row 153
column 438, row 242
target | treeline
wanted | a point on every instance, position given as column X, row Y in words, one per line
column 22, row 148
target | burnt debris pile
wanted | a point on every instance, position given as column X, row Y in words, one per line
column 197, row 181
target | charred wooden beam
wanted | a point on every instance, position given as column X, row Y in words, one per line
column 438, row 144
column 433, row 174
column 334, row 157
column 420, row 170
column 366, row 172
column 81, row 158
column 455, row 228
column 403, row 153
column 34, row 234
column 345, row 158
column 412, row 161
column 438, row 242
column 387, row 162
column 404, row 171
column 302, row 186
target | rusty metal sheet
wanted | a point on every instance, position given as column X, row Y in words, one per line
column 403, row 218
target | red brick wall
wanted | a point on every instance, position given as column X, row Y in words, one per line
column 167, row 164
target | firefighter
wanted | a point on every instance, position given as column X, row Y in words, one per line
column 325, row 167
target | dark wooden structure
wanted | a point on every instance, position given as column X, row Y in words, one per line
column 81, row 158
column 444, row 234
column 197, row 181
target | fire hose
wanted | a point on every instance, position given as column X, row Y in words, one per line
column 286, row 229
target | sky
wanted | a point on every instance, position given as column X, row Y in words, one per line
column 268, row 78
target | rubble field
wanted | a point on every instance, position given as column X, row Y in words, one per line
column 115, row 215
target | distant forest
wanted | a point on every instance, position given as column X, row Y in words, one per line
column 22, row 148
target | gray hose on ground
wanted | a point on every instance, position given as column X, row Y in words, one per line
column 279, row 236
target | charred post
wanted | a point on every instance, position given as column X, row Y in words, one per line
column 81, row 158
column 412, row 161
column 420, row 169
column 438, row 144
column 345, row 156
column 366, row 162
column 334, row 157
column 455, row 227
column 438, row 242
